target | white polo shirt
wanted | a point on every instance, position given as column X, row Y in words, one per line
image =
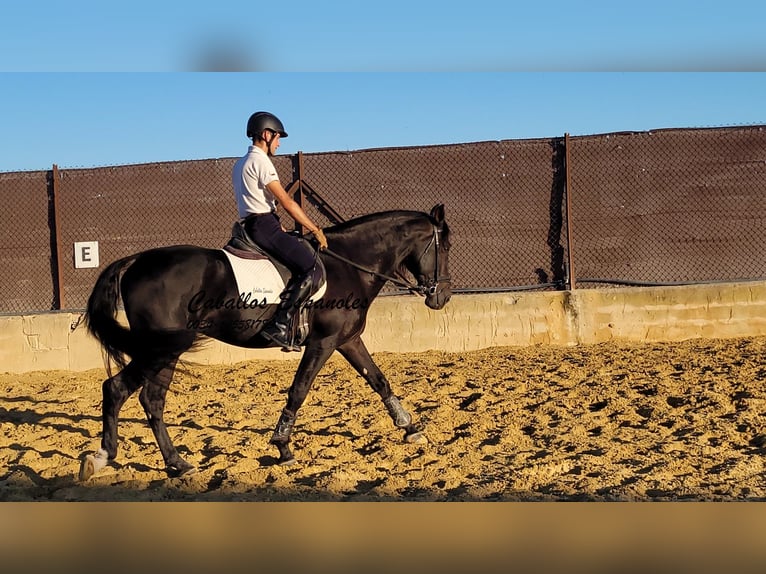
column 250, row 176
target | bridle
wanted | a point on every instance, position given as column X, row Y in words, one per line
column 428, row 287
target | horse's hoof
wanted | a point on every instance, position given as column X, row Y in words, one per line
column 87, row 468
column 287, row 461
column 178, row 472
column 416, row 438
column 92, row 463
column 188, row 472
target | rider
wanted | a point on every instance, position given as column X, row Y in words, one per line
column 257, row 189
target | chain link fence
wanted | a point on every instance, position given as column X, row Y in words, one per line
column 660, row 207
column 671, row 206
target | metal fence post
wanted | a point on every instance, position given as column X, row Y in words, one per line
column 56, row 259
column 568, row 199
column 295, row 189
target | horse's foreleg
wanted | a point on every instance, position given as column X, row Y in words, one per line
column 313, row 360
column 152, row 398
column 115, row 391
column 281, row 436
column 356, row 353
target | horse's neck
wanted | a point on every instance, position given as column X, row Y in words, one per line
column 378, row 245
column 370, row 251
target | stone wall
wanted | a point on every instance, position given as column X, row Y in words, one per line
column 52, row 341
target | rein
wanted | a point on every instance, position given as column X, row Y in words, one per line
column 421, row 290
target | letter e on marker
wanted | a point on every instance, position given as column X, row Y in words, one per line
column 85, row 254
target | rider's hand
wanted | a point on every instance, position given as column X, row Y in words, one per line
column 319, row 234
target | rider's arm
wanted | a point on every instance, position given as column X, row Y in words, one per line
column 291, row 206
column 296, row 211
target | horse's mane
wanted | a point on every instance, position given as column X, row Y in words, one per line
column 373, row 218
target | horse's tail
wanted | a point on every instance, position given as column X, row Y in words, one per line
column 101, row 315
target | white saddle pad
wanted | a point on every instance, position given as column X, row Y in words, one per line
column 258, row 281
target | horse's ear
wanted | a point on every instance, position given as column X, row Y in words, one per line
column 438, row 213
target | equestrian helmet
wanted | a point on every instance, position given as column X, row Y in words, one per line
column 260, row 121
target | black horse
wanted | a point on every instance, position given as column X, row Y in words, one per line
column 175, row 296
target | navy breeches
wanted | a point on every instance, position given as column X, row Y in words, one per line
column 267, row 233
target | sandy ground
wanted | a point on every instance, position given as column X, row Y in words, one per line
column 610, row 422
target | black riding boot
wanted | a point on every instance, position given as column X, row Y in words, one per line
column 279, row 329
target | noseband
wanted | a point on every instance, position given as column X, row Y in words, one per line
column 428, row 287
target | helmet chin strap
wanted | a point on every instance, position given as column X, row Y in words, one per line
column 268, row 145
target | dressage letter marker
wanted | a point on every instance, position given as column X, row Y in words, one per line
column 85, row 254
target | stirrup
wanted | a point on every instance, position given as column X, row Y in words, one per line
column 286, row 343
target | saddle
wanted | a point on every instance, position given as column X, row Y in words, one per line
column 240, row 245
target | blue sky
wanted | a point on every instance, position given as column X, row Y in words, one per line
column 97, row 119
column 92, row 83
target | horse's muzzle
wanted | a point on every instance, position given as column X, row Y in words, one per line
column 439, row 297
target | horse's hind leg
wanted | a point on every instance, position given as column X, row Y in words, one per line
column 115, row 391
column 152, row 398
column 356, row 353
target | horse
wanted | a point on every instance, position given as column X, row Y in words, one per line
column 176, row 296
